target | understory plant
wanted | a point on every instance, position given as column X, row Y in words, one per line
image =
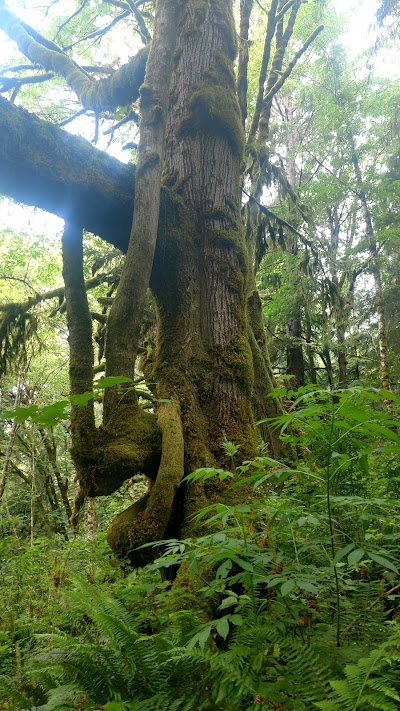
column 288, row 600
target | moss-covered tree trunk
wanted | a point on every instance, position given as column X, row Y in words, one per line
column 203, row 361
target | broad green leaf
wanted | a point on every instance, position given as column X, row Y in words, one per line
column 228, row 602
column 200, row 638
column 111, row 381
column 224, row 569
column 307, row 586
column 20, row 414
column 384, row 562
column 244, row 564
column 342, row 552
column 287, row 587
column 355, row 556
column 223, row 627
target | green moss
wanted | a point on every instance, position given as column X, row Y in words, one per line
column 226, row 24
column 118, row 534
column 213, row 109
column 146, row 96
column 221, row 71
column 133, row 445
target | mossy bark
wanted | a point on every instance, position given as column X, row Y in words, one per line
column 203, row 345
column 125, row 317
column 208, row 345
column 200, row 279
column 104, row 457
column 264, row 382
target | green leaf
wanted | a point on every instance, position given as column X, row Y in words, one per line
column 223, row 627
column 287, row 587
column 384, row 562
column 355, row 556
column 228, row 602
column 244, row 564
column 111, row 381
column 82, row 399
column 307, row 586
column 224, row 569
column 20, row 414
column 208, row 472
column 200, row 638
column 342, row 552
column 236, row 620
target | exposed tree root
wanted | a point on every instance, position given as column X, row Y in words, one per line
column 147, row 519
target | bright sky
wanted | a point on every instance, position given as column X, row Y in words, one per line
column 359, row 36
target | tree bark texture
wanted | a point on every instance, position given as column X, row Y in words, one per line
column 125, row 317
column 203, row 361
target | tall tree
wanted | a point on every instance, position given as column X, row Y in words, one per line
column 209, row 372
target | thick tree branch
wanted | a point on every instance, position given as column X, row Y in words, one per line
column 125, row 317
column 271, row 24
column 119, row 89
column 44, row 166
column 246, row 7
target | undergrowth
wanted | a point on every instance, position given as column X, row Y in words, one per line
column 298, row 606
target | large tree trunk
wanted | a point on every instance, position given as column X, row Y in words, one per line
column 203, row 361
column 210, row 339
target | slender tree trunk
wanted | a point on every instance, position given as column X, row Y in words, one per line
column 294, row 353
column 342, row 360
column 375, row 269
column 62, row 483
column 309, row 350
column 90, row 518
column 10, row 445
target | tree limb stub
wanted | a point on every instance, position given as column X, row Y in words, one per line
column 43, row 166
column 121, row 88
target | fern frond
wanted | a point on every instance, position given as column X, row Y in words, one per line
column 373, row 684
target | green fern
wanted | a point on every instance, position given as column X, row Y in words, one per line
column 371, row 684
column 63, row 698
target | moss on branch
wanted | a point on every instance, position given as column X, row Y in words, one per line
column 119, row 89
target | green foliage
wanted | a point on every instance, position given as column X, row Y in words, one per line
column 283, row 579
column 372, row 683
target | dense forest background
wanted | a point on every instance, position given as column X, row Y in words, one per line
column 269, row 576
